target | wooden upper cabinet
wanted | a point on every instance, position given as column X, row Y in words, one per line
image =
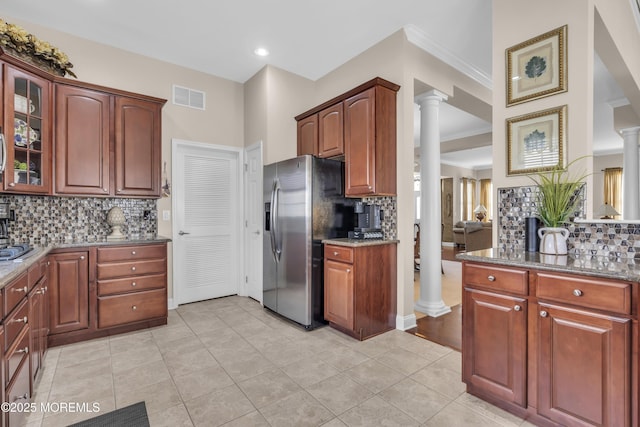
column 137, row 147
column 82, row 141
column 331, row 131
column 370, row 143
column 308, row 136
column 358, row 126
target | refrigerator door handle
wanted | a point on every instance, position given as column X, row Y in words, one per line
column 276, row 229
column 272, row 235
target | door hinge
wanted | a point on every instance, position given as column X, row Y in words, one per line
column 246, row 167
column 246, row 279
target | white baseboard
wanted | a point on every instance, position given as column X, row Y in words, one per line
column 448, row 244
column 406, row 322
column 171, row 305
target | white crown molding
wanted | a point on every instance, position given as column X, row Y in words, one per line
column 420, row 39
column 473, row 132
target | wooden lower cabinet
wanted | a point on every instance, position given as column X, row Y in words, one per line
column 561, row 350
column 360, row 288
column 495, row 343
column 69, row 291
column 584, row 368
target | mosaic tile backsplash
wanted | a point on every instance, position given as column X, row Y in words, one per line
column 42, row 219
column 614, row 240
column 389, row 220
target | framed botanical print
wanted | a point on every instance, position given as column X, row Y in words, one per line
column 536, row 142
column 537, row 67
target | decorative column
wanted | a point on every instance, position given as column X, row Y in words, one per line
column 430, row 301
column 630, row 174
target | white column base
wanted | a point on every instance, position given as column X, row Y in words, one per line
column 406, row 322
column 432, row 309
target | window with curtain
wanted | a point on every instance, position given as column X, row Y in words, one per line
column 613, row 187
column 468, row 201
column 486, row 190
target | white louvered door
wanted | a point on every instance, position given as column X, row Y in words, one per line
column 207, row 222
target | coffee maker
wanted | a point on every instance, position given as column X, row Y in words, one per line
column 369, row 218
column 4, row 224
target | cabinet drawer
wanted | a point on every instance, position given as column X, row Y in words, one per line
column 16, row 354
column 131, row 284
column 338, row 253
column 122, row 309
column 130, row 253
column 14, row 292
column 15, row 322
column 18, row 392
column 496, row 278
column 133, row 268
column 586, row 292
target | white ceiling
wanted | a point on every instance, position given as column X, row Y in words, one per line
column 306, row 38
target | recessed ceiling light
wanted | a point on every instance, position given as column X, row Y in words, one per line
column 261, row 51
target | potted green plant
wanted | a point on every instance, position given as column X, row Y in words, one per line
column 558, row 198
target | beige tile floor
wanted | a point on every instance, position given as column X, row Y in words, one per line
column 229, row 362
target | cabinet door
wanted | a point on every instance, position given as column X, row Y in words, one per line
column 359, row 136
column 138, row 147
column 338, row 294
column 584, row 371
column 27, row 130
column 494, row 338
column 82, row 141
column 69, row 296
column 331, row 131
column 308, row 136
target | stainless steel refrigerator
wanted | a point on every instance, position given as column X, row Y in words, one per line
column 304, row 203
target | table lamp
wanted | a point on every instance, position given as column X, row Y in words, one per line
column 607, row 211
column 481, row 212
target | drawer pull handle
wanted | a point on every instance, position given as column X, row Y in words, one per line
column 335, row 254
column 491, row 278
column 25, row 289
column 133, row 252
column 133, row 269
column 133, row 283
column 134, row 308
column 82, row 257
column 21, row 320
column 543, row 313
column 23, row 397
column 517, row 308
column 23, row 350
column 577, row 292
column 12, row 184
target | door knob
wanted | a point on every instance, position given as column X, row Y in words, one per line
column 182, row 233
column 256, row 232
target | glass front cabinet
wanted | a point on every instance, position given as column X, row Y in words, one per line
column 26, row 132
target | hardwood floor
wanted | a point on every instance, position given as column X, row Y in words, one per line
column 447, row 329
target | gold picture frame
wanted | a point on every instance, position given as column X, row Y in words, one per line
column 537, row 67
column 536, row 142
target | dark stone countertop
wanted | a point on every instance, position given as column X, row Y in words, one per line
column 355, row 243
column 9, row 270
column 597, row 266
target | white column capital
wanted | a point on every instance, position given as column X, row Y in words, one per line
column 432, row 95
column 630, row 131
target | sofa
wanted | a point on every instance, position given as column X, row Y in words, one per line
column 474, row 235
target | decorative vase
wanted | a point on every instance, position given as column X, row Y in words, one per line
column 553, row 240
column 116, row 219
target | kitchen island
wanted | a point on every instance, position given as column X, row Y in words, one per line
column 553, row 339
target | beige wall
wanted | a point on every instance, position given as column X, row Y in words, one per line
column 221, row 123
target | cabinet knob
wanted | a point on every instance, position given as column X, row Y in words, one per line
column 119, row 190
column 577, row 292
column 23, row 320
column 335, row 254
column 369, row 187
column 491, row 278
column 134, row 308
column 348, row 270
column 25, row 289
column 133, row 252
column 48, row 263
column 133, row 269
column 23, row 397
column 133, row 283
column 82, row 257
column 517, row 308
column 105, row 190
column 23, row 350
column 12, row 184
column 543, row 313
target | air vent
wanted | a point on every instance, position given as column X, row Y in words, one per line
column 188, row 97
